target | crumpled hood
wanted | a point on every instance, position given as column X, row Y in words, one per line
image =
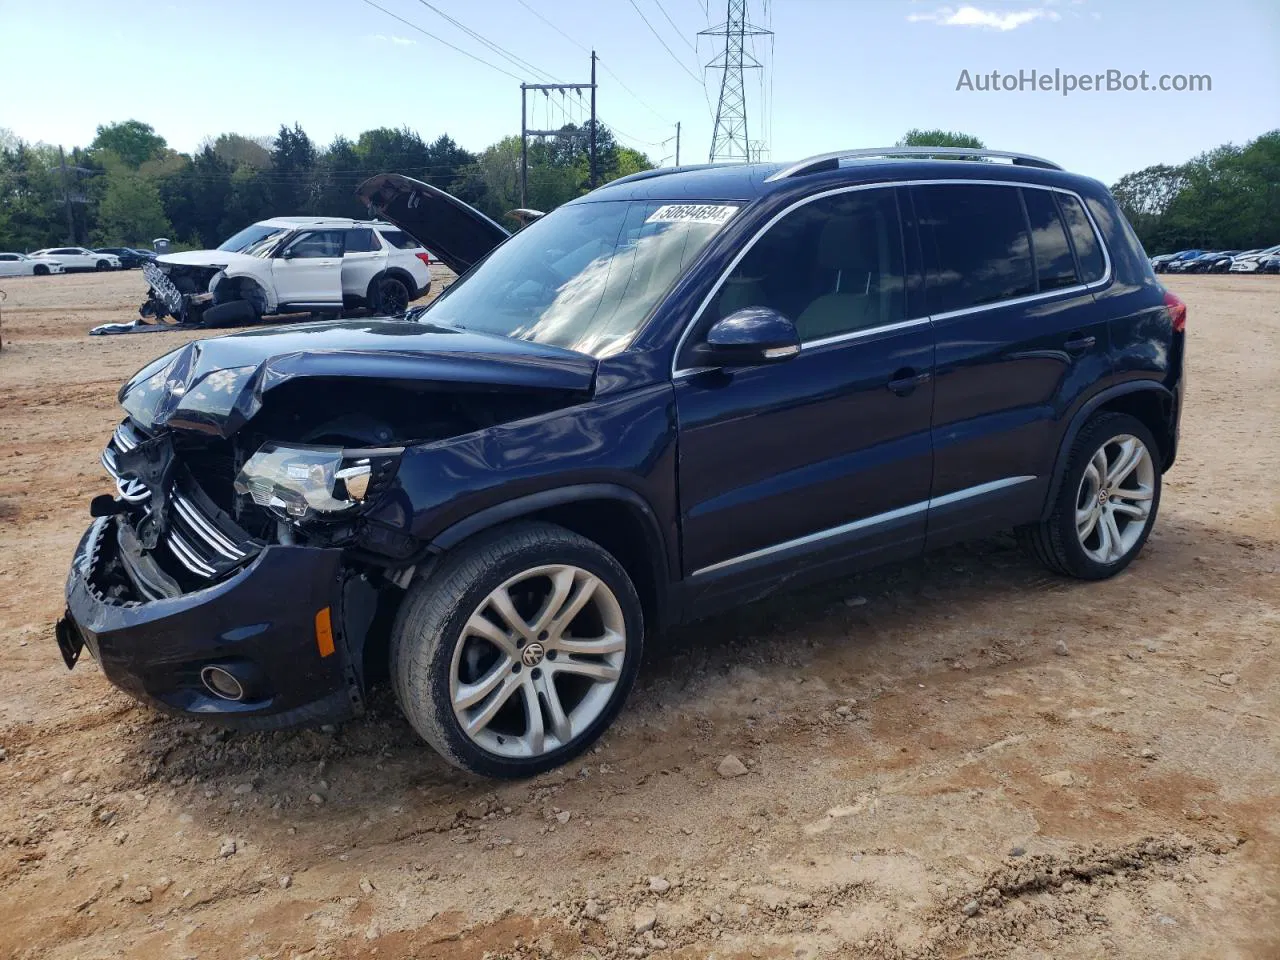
column 204, row 258
column 216, row 385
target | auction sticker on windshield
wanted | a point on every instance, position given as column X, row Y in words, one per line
column 691, row 213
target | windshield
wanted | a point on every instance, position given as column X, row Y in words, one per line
column 253, row 240
column 584, row 277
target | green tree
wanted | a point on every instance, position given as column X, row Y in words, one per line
column 916, row 137
column 131, row 211
column 132, row 141
column 241, row 151
column 293, row 160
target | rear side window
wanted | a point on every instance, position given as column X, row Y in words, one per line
column 1088, row 252
column 400, row 240
column 976, row 245
column 362, row 241
column 1055, row 266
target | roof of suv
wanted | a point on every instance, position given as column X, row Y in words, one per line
column 750, row 181
column 326, row 222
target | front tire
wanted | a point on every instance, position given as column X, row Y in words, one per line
column 518, row 651
column 102, row 265
column 1106, row 504
column 40, row 270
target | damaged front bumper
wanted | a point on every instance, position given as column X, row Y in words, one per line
column 289, row 626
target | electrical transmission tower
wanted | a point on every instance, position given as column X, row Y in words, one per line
column 729, row 140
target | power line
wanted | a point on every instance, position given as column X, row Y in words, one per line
column 428, row 33
column 658, row 37
column 554, row 27
column 496, row 48
column 679, row 32
column 603, row 65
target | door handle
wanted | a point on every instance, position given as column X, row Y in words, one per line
column 1078, row 344
column 906, row 380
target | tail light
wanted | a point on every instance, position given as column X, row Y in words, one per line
column 424, row 257
column 1177, row 311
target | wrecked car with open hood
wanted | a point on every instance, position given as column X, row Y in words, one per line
column 612, row 423
column 286, row 265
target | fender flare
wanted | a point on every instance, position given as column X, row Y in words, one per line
column 1081, row 417
column 269, row 298
column 656, row 544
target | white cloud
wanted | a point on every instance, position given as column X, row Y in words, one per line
column 398, row 41
column 969, row 16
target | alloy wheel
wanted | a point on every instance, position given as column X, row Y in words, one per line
column 1114, row 499
column 537, row 661
column 393, row 297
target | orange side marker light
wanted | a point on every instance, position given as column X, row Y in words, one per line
column 324, row 632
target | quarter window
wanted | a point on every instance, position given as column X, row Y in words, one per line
column 976, row 245
column 1088, row 252
column 400, row 240
column 1055, row 266
column 833, row 266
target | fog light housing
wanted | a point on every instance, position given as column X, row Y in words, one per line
column 222, row 683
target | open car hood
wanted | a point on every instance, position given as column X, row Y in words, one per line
column 456, row 232
column 216, row 385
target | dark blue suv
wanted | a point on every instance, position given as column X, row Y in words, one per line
column 672, row 395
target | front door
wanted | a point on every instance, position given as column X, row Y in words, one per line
column 824, row 459
column 308, row 270
column 1019, row 337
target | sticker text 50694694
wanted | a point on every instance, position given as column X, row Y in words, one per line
column 692, row 213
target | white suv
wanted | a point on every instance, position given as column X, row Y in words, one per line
column 290, row 265
column 78, row 258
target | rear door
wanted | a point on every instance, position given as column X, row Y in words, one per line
column 308, row 270
column 1019, row 338
column 363, row 258
column 12, row 266
column 825, row 459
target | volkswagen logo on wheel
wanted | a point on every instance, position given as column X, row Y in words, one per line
column 533, row 654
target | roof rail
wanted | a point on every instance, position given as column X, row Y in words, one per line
column 829, row 161
column 660, row 172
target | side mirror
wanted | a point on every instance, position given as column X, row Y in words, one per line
column 747, row 337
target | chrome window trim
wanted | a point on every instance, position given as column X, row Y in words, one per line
column 678, row 373
column 879, row 518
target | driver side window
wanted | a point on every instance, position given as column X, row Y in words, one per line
column 834, row 266
column 315, row 245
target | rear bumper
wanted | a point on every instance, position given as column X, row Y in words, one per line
column 259, row 622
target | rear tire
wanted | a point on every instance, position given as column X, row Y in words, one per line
column 391, row 296
column 518, row 651
column 1106, row 504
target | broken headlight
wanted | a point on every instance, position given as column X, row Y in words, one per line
column 299, row 483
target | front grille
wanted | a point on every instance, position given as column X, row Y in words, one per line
column 125, row 438
column 200, row 543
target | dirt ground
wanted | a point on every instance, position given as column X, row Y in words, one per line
column 956, row 757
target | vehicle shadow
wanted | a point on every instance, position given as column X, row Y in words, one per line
column 897, row 622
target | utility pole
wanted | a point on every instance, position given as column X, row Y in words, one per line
column 729, row 139
column 66, row 196
column 526, row 133
column 677, row 143
column 592, row 181
column 524, row 148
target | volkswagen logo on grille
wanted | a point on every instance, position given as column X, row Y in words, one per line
column 533, row 654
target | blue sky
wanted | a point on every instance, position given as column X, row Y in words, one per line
column 841, row 73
